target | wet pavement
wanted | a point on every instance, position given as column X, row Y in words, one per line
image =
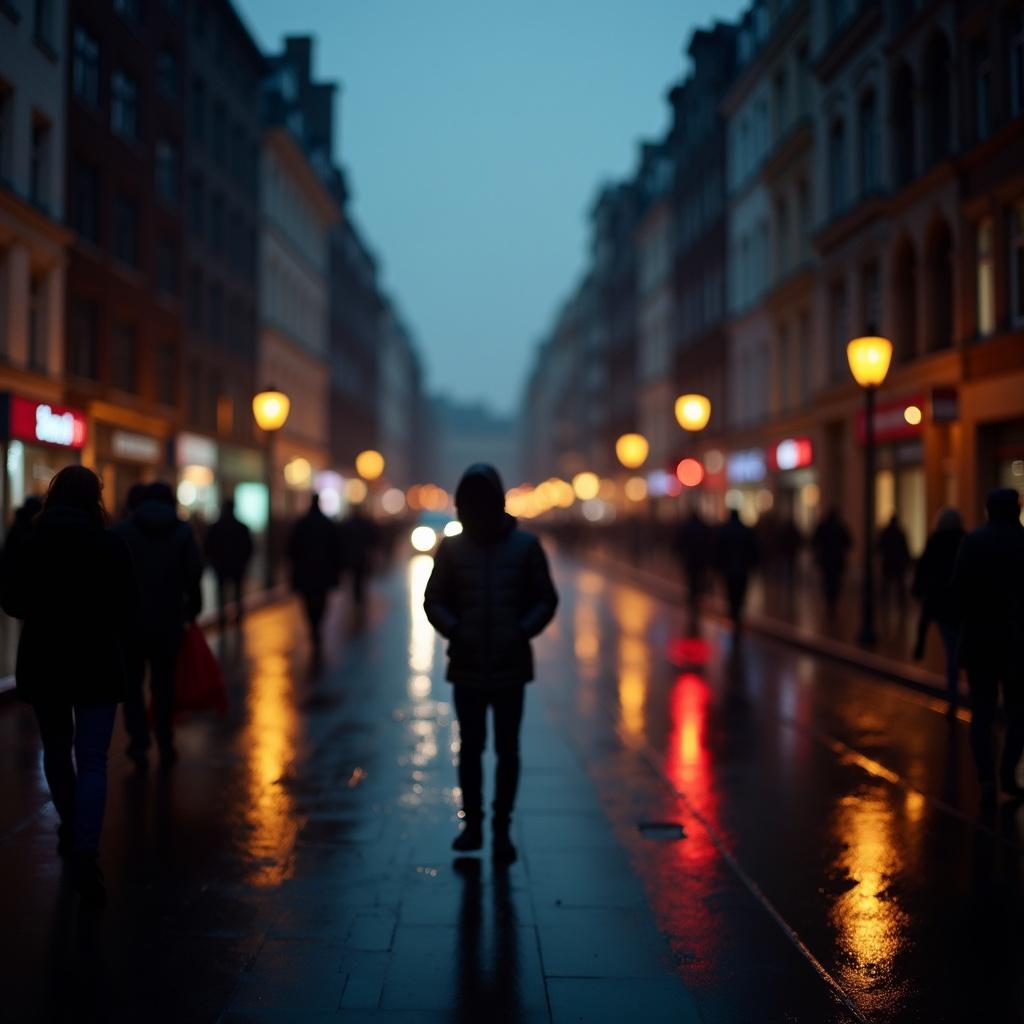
column 710, row 830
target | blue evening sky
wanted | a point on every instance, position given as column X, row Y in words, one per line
column 475, row 136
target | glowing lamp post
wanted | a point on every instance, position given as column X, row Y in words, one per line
column 631, row 450
column 693, row 412
column 370, row 465
column 869, row 359
column 270, row 409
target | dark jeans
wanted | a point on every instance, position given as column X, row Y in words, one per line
column 315, row 604
column 736, row 592
column 162, row 665
column 471, row 706
column 81, row 795
column 234, row 584
column 950, row 634
column 983, row 684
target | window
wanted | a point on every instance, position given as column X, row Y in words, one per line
column 217, row 224
column 937, row 98
column 37, row 323
column 803, row 227
column 804, row 357
column 940, row 284
column 219, row 129
column 6, row 132
column 216, row 312
column 1017, row 262
column 166, row 373
column 196, row 206
column 868, row 143
column 194, row 393
column 126, row 230
column 985, row 298
column 903, row 125
column 870, row 298
column 85, row 201
column 130, row 10
column 195, row 299
column 167, row 272
column 837, row 168
column 168, row 75
column 124, row 370
column 904, row 293
column 981, row 64
column 124, row 105
column 39, row 163
column 43, row 25
column 83, row 339
column 85, row 67
column 781, row 103
column 1016, row 38
column 168, row 172
column 840, row 331
column 198, row 113
column 783, row 367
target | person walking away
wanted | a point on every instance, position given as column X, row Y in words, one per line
column 359, row 538
column 168, row 567
column 489, row 594
column 789, row 542
column 313, row 550
column 21, row 526
column 229, row 551
column 736, row 557
column 831, row 542
column 932, row 586
column 894, row 555
column 694, row 550
column 987, row 590
column 70, row 580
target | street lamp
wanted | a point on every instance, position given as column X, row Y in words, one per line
column 270, row 409
column 693, row 412
column 632, row 450
column 370, row 465
column 869, row 359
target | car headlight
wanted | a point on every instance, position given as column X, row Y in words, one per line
column 423, row 538
column 452, row 528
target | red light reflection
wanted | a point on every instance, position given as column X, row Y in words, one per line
column 688, row 650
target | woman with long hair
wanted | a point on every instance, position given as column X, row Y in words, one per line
column 72, row 584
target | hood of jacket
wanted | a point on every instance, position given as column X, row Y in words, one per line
column 155, row 518
column 480, row 504
column 63, row 518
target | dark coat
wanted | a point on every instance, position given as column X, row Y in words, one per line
column 314, row 549
column 893, row 550
column 831, row 542
column 358, row 539
column 933, row 577
column 694, row 546
column 73, row 584
column 489, row 594
column 735, row 549
column 228, row 547
column 988, row 595
column 168, row 567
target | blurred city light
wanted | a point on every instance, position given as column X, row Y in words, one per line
column 370, row 465
column 912, row 414
column 423, row 538
column 636, row 488
column 298, row 472
column 631, row 450
column 452, row 529
column 586, row 486
column 392, row 501
column 270, row 409
column 869, row 359
column 693, row 412
column 714, row 461
column 355, row 490
column 689, row 472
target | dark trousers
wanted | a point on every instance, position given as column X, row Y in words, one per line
column 831, row 586
column 315, row 604
column 234, row 585
column 471, row 706
column 736, row 592
column 162, row 665
column 79, row 795
column 983, row 684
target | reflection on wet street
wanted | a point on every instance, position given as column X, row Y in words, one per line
column 711, row 828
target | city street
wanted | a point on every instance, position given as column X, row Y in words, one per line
column 711, row 829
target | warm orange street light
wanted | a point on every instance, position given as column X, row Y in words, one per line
column 631, row 450
column 270, row 409
column 869, row 359
column 370, row 465
column 586, row 485
column 693, row 412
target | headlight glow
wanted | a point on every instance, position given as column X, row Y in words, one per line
column 453, row 528
column 423, row 538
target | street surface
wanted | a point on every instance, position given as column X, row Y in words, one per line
column 712, row 830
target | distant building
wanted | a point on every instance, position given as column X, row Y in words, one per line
column 399, row 389
column 467, row 433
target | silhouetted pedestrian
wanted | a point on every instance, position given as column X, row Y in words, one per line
column 736, row 558
column 489, row 594
column 789, row 541
column 18, row 532
column 314, row 552
column 894, row 555
column 229, row 550
column 71, row 581
column 168, row 567
column 359, row 539
column 987, row 590
column 831, row 542
column 932, row 586
column 694, row 549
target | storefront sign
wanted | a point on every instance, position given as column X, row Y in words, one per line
column 136, row 447
column 945, row 405
column 891, row 422
column 45, row 423
column 194, row 450
column 792, row 453
column 746, row 467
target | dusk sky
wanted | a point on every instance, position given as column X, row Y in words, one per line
column 474, row 137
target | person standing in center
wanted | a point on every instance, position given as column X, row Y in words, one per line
column 168, row 567
column 736, row 557
column 489, row 594
column 314, row 551
column 228, row 550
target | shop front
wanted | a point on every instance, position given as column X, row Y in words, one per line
column 794, row 477
column 38, row 439
column 746, row 477
column 195, row 462
column 125, row 458
column 1001, row 455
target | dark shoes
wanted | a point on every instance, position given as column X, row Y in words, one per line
column 87, row 878
column 503, row 850
column 470, row 838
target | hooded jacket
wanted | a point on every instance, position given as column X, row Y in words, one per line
column 168, row 567
column 72, row 582
column 490, row 591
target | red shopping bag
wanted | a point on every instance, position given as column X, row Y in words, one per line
column 199, row 679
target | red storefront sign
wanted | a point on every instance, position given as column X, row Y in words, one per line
column 791, row 453
column 42, row 423
column 891, row 422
